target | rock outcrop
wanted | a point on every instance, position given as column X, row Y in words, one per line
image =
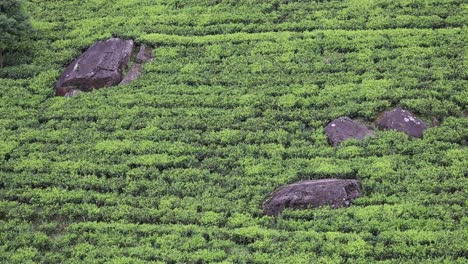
column 144, row 55
column 312, row 193
column 402, row 120
column 134, row 72
column 344, row 128
column 102, row 65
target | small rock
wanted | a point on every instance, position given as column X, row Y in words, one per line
column 435, row 121
column 99, row 66
column 344, row 128
column 73, row 93
column 144, row 55
column 402, row 120
column 134, row 72
column 312, row 193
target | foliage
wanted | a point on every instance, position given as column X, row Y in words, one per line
column 13, row 24
column 174, row 167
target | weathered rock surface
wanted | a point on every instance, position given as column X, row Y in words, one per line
column 344, row 128
column 313, row 193
column 100, row 66
column 144, row 55
column 134, row 72
column 402, row 120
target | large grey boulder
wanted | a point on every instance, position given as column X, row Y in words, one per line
column 100, row 66
column 312, row 193
column 402, row 120
column 344, row 128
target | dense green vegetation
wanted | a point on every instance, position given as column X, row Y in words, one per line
column 13, row 25
column 174, row 167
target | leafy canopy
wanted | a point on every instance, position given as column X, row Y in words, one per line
column 13, row 23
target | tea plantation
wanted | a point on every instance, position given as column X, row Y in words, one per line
column 174, row 167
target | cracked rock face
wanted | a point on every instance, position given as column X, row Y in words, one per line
column 99, row 66
column 344, row 128
column 403, row 121
column 313, row 193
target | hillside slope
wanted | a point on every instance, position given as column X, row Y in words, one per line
column 174, row 167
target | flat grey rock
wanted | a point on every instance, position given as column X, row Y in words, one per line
column 312, row 193
column 99, row 66
column 402, row 120
column 344, row 128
